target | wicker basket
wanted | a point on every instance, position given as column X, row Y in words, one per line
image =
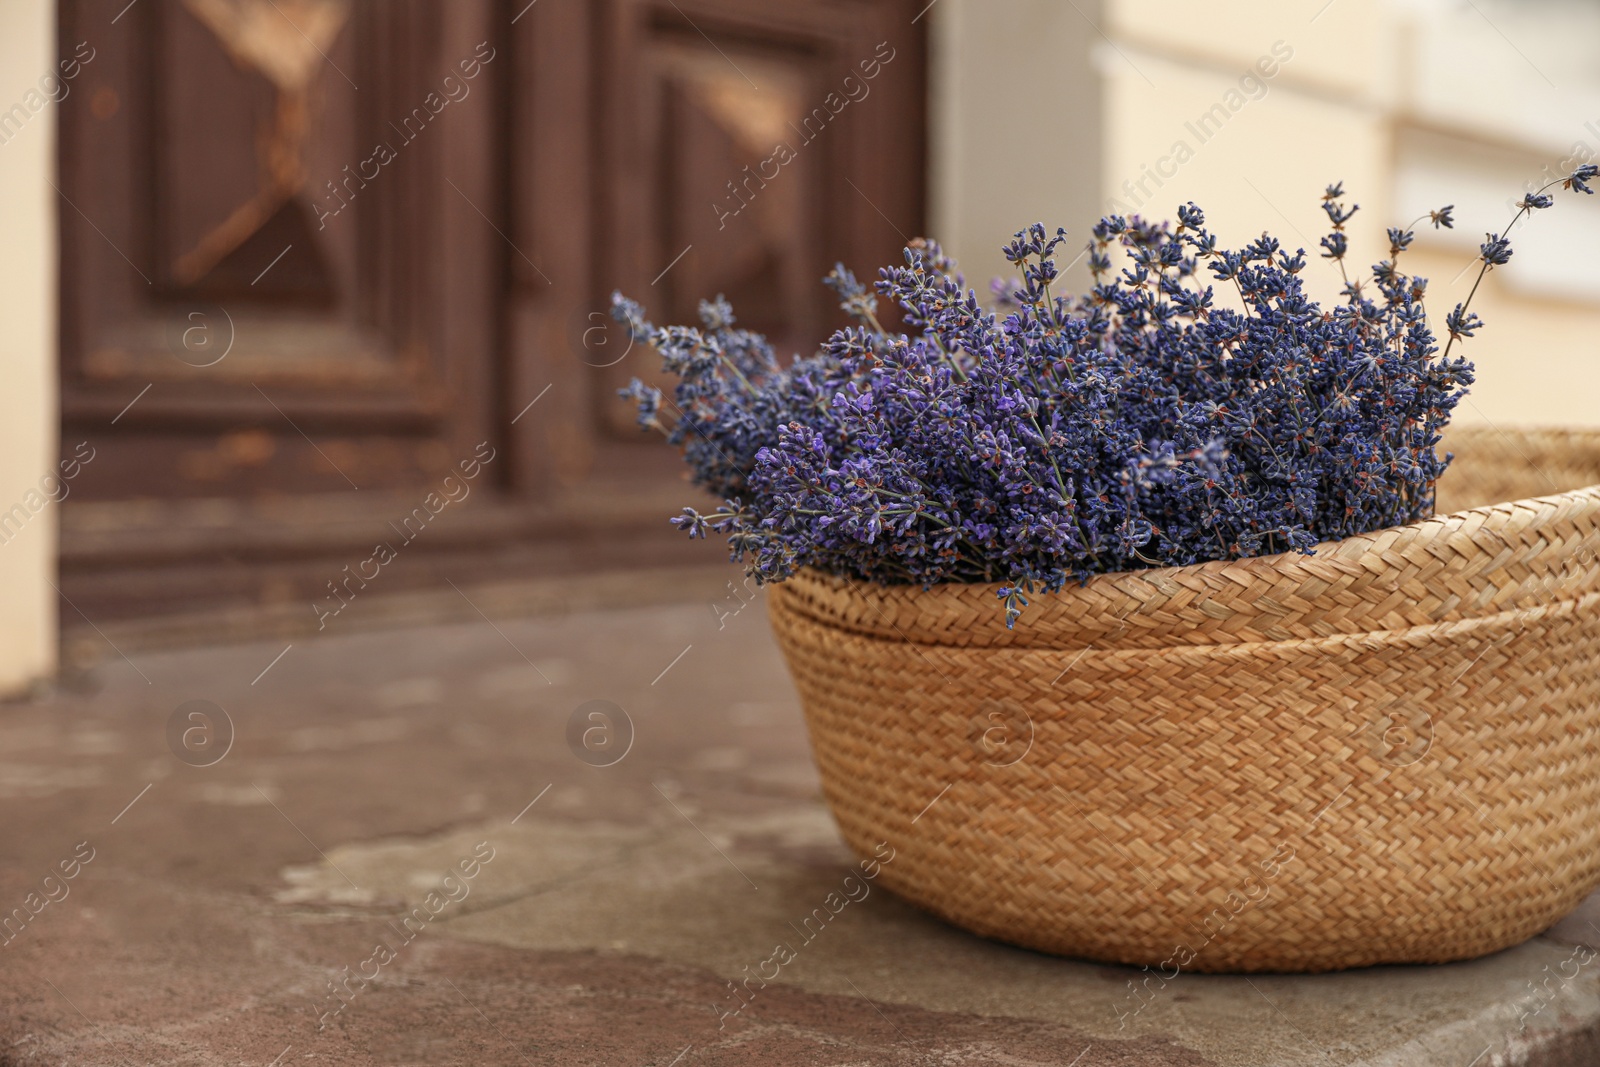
column 1386, row 752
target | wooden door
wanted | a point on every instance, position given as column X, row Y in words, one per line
column 318, row 253
column 275, row 275
column 725, row 146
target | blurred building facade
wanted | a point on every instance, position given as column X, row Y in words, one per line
column 1062, row 113
column 401, row 277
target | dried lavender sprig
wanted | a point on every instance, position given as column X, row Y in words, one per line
column 1137, row 425
column 1496, row 250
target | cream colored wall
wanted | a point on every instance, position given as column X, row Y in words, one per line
column 28, row 418
column 1000, row 70
column 1411, row 103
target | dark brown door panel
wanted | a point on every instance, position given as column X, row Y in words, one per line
column 316, row 252
column 271, row 235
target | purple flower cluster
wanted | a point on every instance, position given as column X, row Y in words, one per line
column 1142, row 424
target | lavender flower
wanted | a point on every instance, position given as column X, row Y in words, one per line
column 1141, row 424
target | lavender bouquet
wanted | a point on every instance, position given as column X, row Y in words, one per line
column 1054, row 437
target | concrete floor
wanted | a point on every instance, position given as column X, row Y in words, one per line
column 410, row 853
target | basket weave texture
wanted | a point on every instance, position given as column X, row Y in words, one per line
column 1385, row 752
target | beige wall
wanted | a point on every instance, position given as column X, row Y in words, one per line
column 27, row 347
column 1411, row 103
column 998, row 69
